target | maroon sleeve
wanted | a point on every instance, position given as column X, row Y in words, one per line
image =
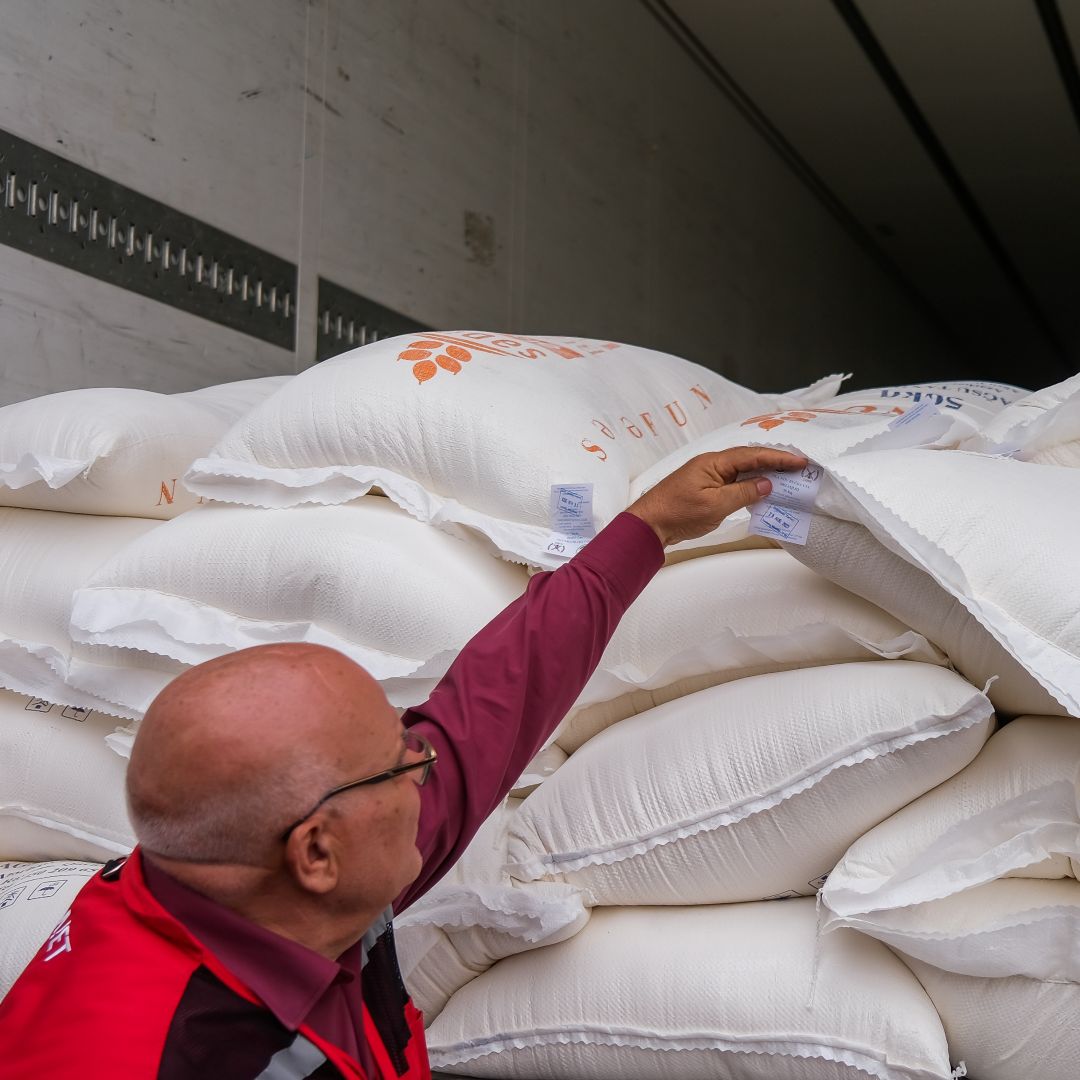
column 514, row 682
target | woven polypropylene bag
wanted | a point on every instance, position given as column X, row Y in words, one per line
column 928, row 881
column 398, row 597
column 114, row 451
column 750, row 789
column 695, row 992
column 475, row 429
column 44, row 558
column 1007, row 1029
column 61, row 787
column 711, row 620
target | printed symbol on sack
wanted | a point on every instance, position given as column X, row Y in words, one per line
column 812, row 473
column 818, row 883
column 77, row 712
column 10, row 898
column 450, row 358
column 39, row 705
column 47, row 888
column 791, row 894
column 570, row 501
column 168, row 492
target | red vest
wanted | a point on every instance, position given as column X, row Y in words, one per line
column 120, row 989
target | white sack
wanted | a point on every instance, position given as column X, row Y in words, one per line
column 44, row 558
column 750, row 789
column 1007, row 1029
column 475, row 916
column 855, row 423
column 61, row 787
column 851, row 556
column 1012, row 926
column 653, row 993
column 539, row 769
column 473, row 429
column 398, row 597
column 997, row 534
column 34, row 898
column 112, row 451
column 919, row 880
column 231, row 400
column 711, row 620
column 1043, row 427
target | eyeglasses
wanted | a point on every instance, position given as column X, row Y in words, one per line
column 415, row 743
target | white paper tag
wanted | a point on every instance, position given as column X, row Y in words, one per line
column 923, row 411
column 787, row 511
column 571, row 518
column 567, row 546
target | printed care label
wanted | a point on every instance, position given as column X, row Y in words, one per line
column 786, row 512
column 571, row 518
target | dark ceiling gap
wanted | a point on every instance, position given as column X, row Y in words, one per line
column 937, row 153
column 718, row 75
column 1061, row 47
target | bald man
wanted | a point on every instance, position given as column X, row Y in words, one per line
column 284, row 814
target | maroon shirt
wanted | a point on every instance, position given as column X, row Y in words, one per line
column 487, row 718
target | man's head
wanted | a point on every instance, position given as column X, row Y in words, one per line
column 235, row 750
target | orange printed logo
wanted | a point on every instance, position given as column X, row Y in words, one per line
column 768, row 421
column 168, row 492
column 433, row 353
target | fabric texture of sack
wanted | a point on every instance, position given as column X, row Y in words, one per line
column 926, row 881
column 475, row 429
column 399, row 598
column 1007, row 1029
column 695, row 992
column 967, row 520
column 850, row 555
column 44, row 558
column 748, row 790
column 61, row 787
column 708, row 621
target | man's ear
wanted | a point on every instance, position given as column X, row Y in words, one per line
column 312, row 855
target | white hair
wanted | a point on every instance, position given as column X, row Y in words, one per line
column 240, row 824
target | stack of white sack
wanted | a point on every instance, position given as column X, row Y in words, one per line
column 975, row 884
column 110, row 460
column 714, row 804
column 82, row 474
column 396, row 596
column 532, row 443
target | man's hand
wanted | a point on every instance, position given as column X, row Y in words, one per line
column 695, row 498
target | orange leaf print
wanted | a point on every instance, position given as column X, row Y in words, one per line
column 412, row 355
column 425, row 370
column 458, row 353
column 429, row 345
column 448, row 363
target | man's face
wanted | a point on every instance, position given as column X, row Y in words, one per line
column 378, row 822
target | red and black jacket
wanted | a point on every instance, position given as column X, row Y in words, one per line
column 122, row 990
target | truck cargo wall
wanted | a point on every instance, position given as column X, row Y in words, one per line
column 555, row 167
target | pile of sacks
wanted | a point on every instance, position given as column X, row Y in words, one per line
column 807, row 697
column 116, row 574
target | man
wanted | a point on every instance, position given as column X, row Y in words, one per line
column 283, row 817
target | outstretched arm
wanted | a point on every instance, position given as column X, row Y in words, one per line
column 518, row 677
